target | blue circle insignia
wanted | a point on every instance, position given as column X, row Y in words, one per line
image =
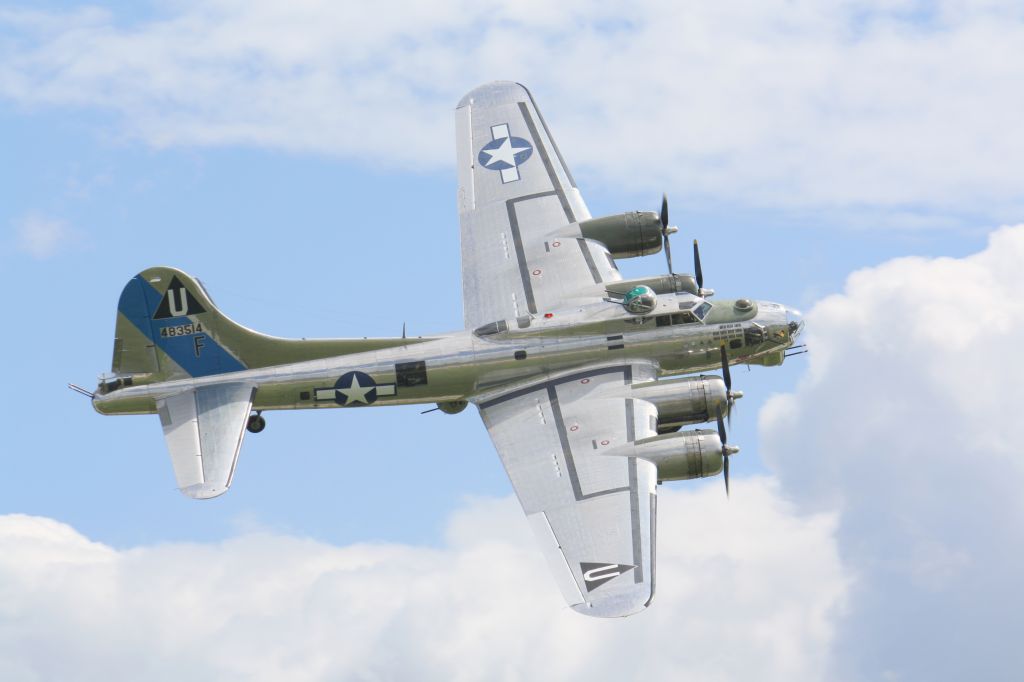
column 504, row 153
column 354, row 388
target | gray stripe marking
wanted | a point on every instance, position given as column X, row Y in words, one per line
column 589, row 257
column 554, row 144
column 513, row 220
column 570, row 463
column 542, row 150
column 634, row 515
column 563, row 438
column 634, row 492
column 517, row 242
column 596, row 372
column 653, row 542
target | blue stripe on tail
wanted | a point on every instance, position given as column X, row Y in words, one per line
column 198, row 353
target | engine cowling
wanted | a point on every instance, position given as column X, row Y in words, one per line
column 627, row 235
column 685, row 401
column 681, row 456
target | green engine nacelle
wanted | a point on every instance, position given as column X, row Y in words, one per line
column 683, row 455
column 627, row 235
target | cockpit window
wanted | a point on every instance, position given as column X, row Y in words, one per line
column 492, row 328
column 702, row 310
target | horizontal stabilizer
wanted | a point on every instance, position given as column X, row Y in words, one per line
column 204, row 429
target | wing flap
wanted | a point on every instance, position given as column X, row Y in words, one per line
column 591, row 512
column 203, row 428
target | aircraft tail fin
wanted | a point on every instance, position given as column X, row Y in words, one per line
column 168, row 328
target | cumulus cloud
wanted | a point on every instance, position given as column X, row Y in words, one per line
column 906, row 423
column 746, row 590
column 42, row 237
column 780, row 103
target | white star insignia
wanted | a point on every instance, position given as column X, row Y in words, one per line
column 506, row 152
column 356, row 393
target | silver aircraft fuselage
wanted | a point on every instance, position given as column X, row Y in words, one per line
column 459, row 367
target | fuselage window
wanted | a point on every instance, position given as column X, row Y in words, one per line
column 702, row 310
column 676, row 318
column 683, row 318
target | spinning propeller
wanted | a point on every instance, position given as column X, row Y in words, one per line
column 731, row 396
column 666, row 230
column 727, row 450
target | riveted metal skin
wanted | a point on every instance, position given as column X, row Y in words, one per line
column 460, row 365
column 680, row 456
column 575, row 391
column 684, row 401
column 627, row 235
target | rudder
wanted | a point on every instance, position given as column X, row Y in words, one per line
column 168, row 328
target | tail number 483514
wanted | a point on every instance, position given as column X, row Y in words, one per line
column 182, row 330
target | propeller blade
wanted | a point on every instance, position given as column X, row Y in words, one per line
column 664, row 231
column 725, row 450
column 668, row 251
column 725, row 473
column 725, row 369
column 697, row 272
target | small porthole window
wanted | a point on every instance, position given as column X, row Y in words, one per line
column 519, row 355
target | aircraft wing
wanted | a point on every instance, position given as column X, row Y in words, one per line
column 592, row 513
column 203, row 428
column 522, row 253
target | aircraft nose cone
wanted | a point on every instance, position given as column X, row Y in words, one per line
column 795, row 322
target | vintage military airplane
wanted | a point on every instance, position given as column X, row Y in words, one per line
column 568, row 364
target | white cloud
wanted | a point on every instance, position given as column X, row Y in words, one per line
column 746, row 589
column 906, row 422
column 768, row 103
column 42, row 237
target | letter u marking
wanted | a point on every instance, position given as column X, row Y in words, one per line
column 179, row 303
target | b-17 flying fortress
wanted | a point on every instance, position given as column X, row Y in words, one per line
column 583, row 379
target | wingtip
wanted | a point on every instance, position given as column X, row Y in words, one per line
column 495, row 92
column 203, row 491
column 617, row 604
column 611, row 609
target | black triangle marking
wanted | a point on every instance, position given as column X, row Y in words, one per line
column 183, row 299
column 597, row 574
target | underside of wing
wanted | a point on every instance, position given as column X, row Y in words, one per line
column 519, row 209
column 593, row 512
column 203, row 428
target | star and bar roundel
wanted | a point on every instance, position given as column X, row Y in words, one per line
column 354, row 388
column 505, row 153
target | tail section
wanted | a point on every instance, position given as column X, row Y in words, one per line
column 169, row 328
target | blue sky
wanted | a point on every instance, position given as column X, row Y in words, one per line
column 287, row 244
column 292, row 164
